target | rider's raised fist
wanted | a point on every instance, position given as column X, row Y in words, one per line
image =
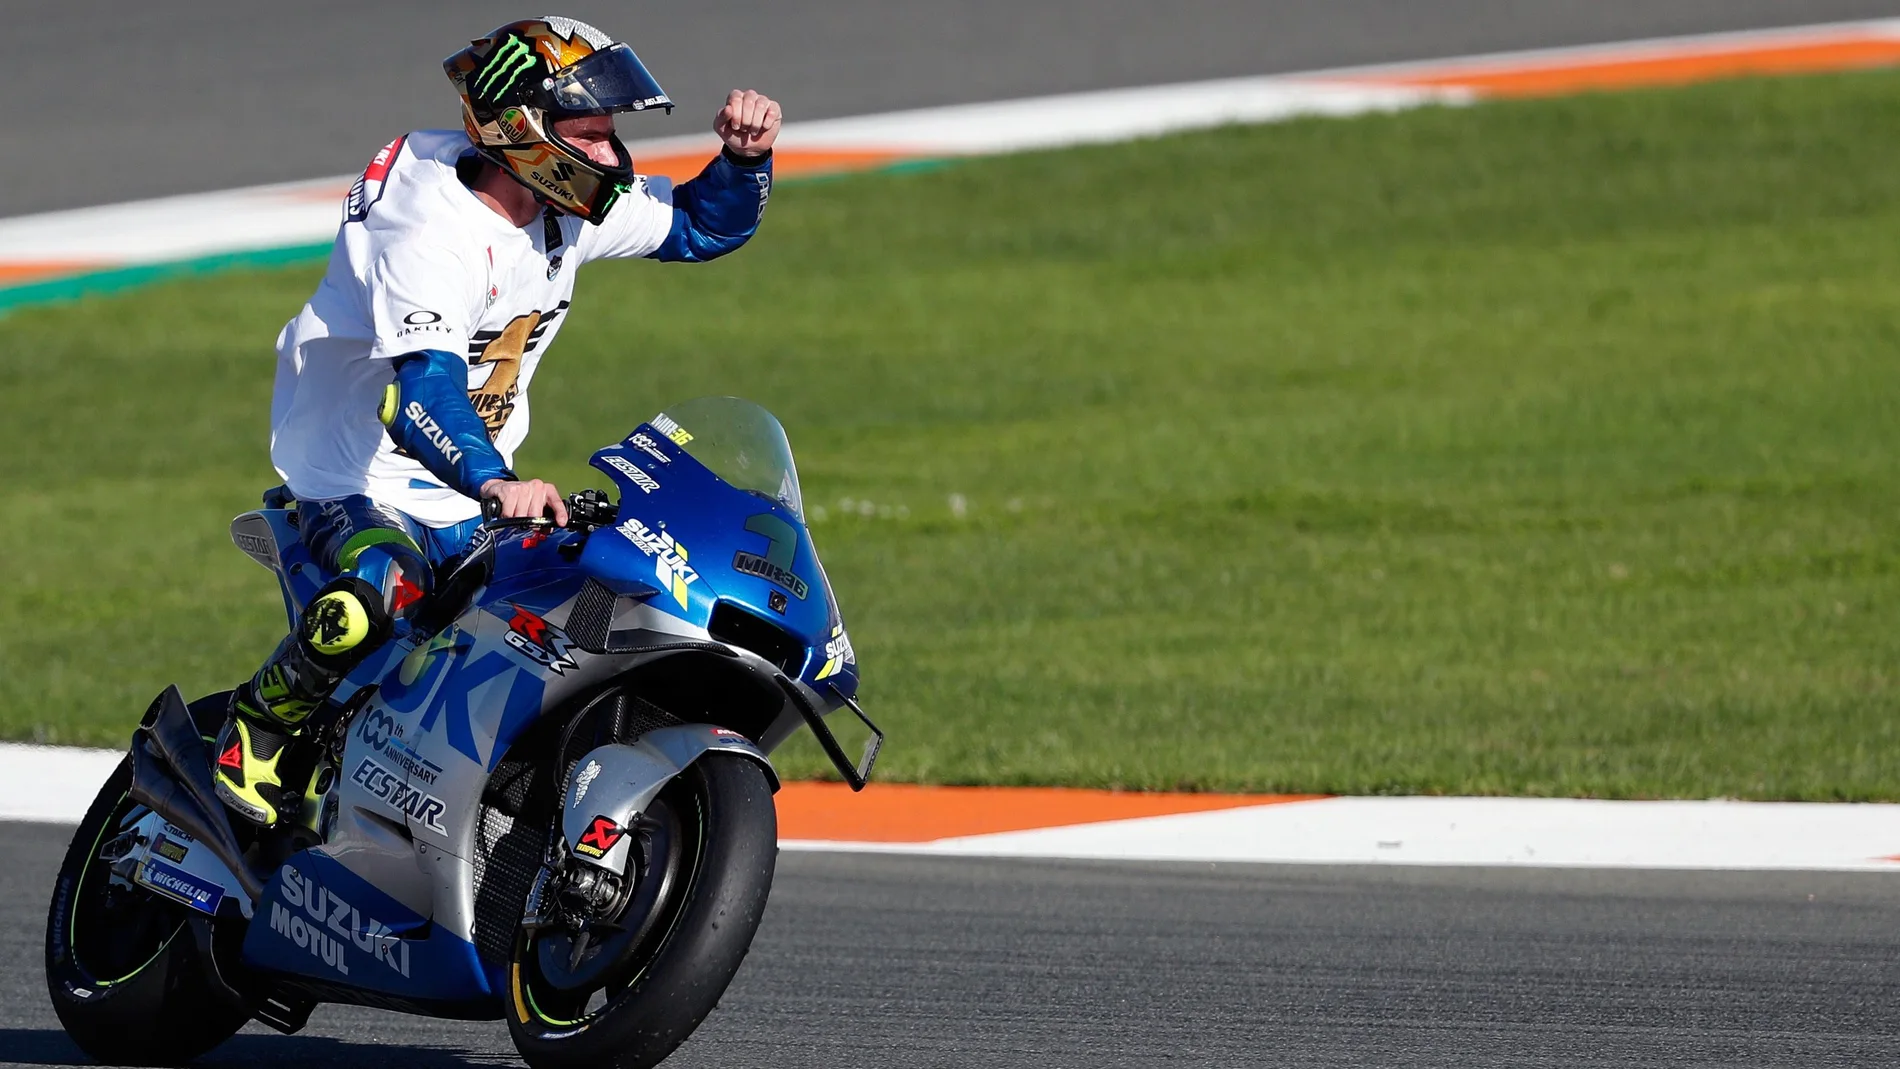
column 749, row 122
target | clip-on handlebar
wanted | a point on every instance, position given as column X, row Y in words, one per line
column 586, row 511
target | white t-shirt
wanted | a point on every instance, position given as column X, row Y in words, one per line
column 420, row 263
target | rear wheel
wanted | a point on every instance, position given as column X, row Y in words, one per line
column 625, row 993
column 122, row 964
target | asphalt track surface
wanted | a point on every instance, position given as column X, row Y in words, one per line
column 115, row 100
column 886, row 961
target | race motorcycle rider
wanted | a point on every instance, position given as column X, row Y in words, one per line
column 401, row 387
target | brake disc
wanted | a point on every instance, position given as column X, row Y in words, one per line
column 598, row 950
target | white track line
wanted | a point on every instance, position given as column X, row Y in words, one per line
column 1540, row 832
column 51, row 783
column 180, row 228
column 1106, row 116
column 56, row 784
column 171, row 229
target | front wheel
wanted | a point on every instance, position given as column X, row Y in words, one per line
column 624, row 993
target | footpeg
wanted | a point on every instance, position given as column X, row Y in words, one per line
column 285, row 1012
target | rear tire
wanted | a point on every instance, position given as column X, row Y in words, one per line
column 122, row 965
column 729, row 847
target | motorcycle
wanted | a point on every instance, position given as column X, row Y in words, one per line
column 549, row 800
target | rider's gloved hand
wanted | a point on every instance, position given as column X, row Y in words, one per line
column 531, row 498
column 749, row 123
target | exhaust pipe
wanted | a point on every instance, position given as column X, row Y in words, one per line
column 168, row 728
column 171, row 773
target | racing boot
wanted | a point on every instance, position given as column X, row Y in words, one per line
column 340, row 626
column 247, row 779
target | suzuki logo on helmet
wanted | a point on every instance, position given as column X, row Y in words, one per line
column 563, row 171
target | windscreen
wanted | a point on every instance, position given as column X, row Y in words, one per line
column 742, row 444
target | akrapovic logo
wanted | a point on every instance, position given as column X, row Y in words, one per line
column 433, row 432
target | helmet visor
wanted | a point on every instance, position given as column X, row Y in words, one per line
column 612, row 79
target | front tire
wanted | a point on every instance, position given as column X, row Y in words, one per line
column 122, row 966
column 727, row 828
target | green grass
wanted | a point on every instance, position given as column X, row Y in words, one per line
column 1531, row 448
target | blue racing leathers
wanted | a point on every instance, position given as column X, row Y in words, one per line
column 718, row 210
column 428, row 414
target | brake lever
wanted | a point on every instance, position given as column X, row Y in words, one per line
column 512, row 522
column 590, row 509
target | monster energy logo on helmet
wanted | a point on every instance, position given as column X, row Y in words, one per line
column 511, row 59
column 518, row 80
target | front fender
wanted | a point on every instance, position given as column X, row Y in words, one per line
column 615, row 783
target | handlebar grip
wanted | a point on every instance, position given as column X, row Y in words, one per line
column 491, row 513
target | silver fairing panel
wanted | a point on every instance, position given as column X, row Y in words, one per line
column 613, row 784
column 419, row 753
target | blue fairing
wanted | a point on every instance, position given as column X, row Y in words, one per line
column 721, row 535
column 447, row 691
column 450, row 694
column 717, row 211
column 321, row 920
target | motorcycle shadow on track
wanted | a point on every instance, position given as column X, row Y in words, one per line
column 49, row 1046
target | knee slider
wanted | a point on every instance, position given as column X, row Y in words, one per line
column 347, row 615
